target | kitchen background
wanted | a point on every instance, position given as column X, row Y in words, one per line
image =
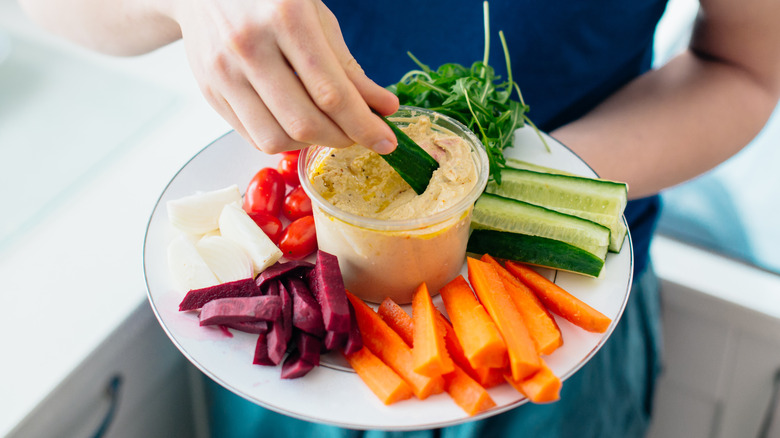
column 88, row 142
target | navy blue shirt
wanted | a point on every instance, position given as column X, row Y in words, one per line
column 566, row 56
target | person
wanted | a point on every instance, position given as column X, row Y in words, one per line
column 288, row 73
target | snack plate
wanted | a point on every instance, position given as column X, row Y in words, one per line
column 332, row 393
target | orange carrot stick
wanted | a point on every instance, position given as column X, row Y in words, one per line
column 465, row 390
column 380, row 378
column 560, row 301
column 490, row 377
column 398, row 320
column 428, row 351
column 467, row 393
column 523, row 358
column 487, row 377
column 542, row 387
column 481, row 340
column 541, row 325
column 388, row 346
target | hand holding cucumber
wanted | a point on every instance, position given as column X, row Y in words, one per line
column 282, row 76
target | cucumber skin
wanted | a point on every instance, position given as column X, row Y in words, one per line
column 413, row 163
column 534, row 250
column 608, row 195
column 529, row 213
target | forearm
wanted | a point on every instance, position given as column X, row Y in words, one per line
column 683, row 119
column 671, row 124
column 122, row 27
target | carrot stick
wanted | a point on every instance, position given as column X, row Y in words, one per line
column 541, row 325
column 429, row 351
column 465, row 390
column 467, row 393
column 388, row 346
column 380, row 378
column 398, row 320
column 560, row 301
column 487, row 377
column 490, row 377
column 482, row 342
column 542, row 387
column 523, row 358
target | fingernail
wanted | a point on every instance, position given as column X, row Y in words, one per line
column 383, row 147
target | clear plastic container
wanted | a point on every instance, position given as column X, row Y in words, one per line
column 390, row 258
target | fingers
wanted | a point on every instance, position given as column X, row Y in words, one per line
column 310, row 54
column 236, row 101
column 287, row 101
column 377, row 97
column 282, row 76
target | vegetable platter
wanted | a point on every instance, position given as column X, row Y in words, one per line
column 332, row 393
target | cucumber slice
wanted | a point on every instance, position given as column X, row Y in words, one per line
column 522, row 164
column 412, row 162
column 535, row 250
column 598, row 200
column 503, row 214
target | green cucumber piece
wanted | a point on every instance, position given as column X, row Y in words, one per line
column 504, row 214
column 534, row 250
column 522, row 164
column 412, row 162
column 598, row 200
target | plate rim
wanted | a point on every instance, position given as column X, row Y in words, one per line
column 159, row 205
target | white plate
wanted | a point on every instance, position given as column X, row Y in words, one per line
column 330, row 394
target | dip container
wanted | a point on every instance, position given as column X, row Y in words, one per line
column 390, row 258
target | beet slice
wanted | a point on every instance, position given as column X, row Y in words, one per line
column 306, row 315
column 271, row 288
column 328, row 288
column 241, row 309
column 294, row 366
column 308, row 346
column 254, row 327
column 334, row 340
column 261, row 352
column 278, row 269
column 354, row 340
column 196, row 298
column 280, row 332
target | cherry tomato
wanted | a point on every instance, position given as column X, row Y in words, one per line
column 296, row 204
column 265, row 193
column 288, row 168
column 299, row 238
column 271, row 225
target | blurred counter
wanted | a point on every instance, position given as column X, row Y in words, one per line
column 87, row 144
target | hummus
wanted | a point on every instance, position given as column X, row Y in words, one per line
column 392, row 239
column 358, row 181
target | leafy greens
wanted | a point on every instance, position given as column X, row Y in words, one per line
column 473, row 96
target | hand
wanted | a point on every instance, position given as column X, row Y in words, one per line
column 280, row 73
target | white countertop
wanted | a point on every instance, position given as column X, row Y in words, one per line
column 72, row 274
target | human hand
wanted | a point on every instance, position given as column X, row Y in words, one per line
column 280, row 73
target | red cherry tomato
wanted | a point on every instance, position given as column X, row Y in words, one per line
column 265, row 193
column 296, row 204
column 271, row 225
column 299, row 239
column 288, row 168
